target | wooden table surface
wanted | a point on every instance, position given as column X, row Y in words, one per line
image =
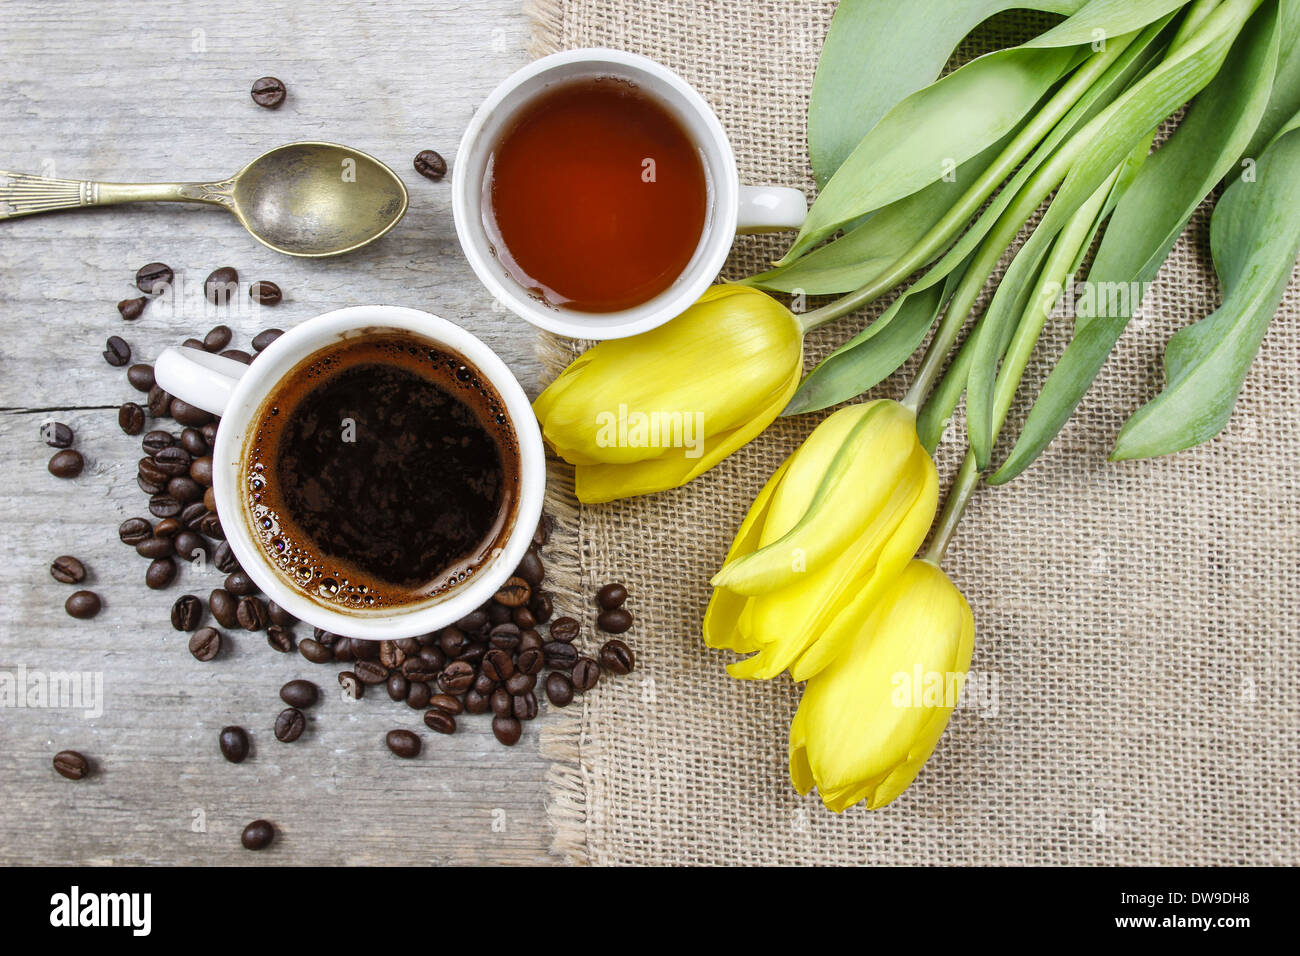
column 144, row 92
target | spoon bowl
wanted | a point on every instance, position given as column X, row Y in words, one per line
column 303, row 199
column 317, row 199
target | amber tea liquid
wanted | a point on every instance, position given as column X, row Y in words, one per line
column 595, row 196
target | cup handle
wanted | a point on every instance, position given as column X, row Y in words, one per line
column 770, row 209
column 198, row 378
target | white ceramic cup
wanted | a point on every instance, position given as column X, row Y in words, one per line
column 731, row 207
column 236, row 391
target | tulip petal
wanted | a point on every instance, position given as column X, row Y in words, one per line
column 721, row 617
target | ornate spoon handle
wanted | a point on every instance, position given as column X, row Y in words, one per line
column 23, row 195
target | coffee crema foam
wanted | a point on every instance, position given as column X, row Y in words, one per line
column 381, row 472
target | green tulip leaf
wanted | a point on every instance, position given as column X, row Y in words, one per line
column 1154, row 209
column 1254, row 238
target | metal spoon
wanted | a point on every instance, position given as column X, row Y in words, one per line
column 303, row 199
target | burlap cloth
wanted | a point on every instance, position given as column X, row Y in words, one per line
column 1136, row 652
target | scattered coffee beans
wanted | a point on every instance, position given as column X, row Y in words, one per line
column 234, row 744
column 116, row 351
column 616, row 657
column 289, row 725
column 611, row 596
column 130, row 418
column 219, row 288
column 403, row 743
column 66, row 464
column 205, row 643
column 132, row 309
column 67, row 570
column 299, row 693
column 153, row 279
column 615, row 621
column 264, row 293
column 258, row 835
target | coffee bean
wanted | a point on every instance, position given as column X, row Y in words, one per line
column 524, row 706
column 191, row 546
column 279, row 615
column 507, row 730
column 475, row 703
column 565, row 630
column 201, row 471
column 187, row 612
column 159, row 402
column 192, row 515
column 268, row 92
column 277, row 638
column 57, row 435
column 325, row 637
column 514, row 593
column 390, row 655
column 559, row 656
column 530, row 661
column 617, row 658
column 161, row 573
column 523, row 618
column 456, row 678
column 116, row 352
column 559, row 688
column 446, row 703
column 415, row 669
column 218, row 338
column 434, row 657
column 83, row 604
column 364, row 650
column 210, row 433
column 185, row 490
column 164, row 506
column 251, row 612
column 500, row 702
column 173, row 461
column 149, row 277
column 238, row 355
column 430, row 165
column 474, row 621
column 70, row 764
column 211, row 524
column 67, row 570
column 452, row 641
column 530, row 640
column 541, row 607
column 140, row 377
column 611, row 596
column 188, row 414
column 473, row 653
column 505, row 637
column 223, row 606
column 132, row 309
column 264, row 293
column 289, row 725
column 257, row 835
column 368, row 672
column 151, row 474
column 225, row 560
column 397, row 686
column 403, row 743
column 155, row 441
column 483, row 684
column 314, row 650
column 440, row 721
column 66, row 464
column 542, row 535
column 130, row 418
column 168, row 528
column 585, row 674
column 497, row 665
column 614, row 622
column 234, row 743
column 417, row 697
column 299, row 693
column 498, row 613
column 196, row 344
column 239, row 583
column 156, row 546
column 219, row 288
column 148, row 487
column 353, row 688
column 134, row 530
column 192, row 441
column 519, row 683
column 205, row 643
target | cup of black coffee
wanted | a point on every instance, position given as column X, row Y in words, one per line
column 378, row 471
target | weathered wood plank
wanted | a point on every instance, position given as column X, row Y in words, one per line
column 120, row 90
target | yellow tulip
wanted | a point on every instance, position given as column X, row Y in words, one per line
column 826, row 536
column 871, row 718
column 654, row 411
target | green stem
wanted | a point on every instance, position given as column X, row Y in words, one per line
column 968, row 479
column 929, row 245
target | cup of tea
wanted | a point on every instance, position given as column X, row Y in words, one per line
column 596, row 194
column 378, row 471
